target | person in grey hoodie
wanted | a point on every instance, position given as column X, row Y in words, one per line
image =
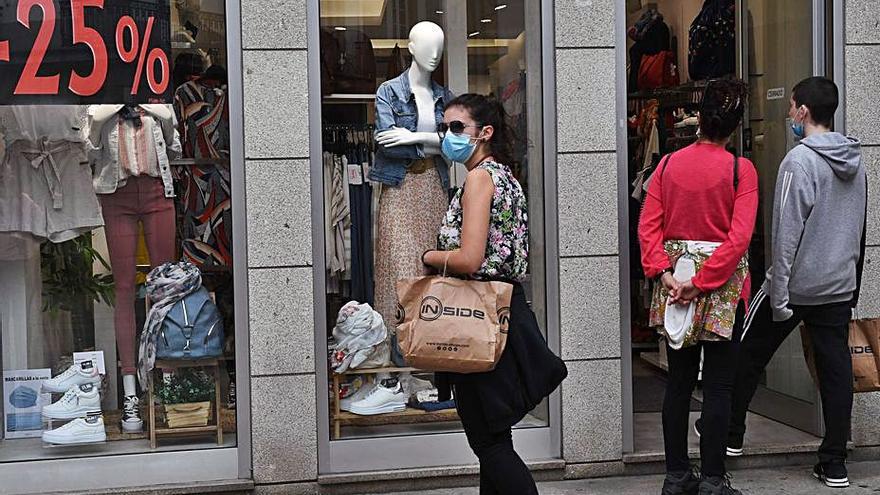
column 817, row 251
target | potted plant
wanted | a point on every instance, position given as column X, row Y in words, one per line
column 186, row 398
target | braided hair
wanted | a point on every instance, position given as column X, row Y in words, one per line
column 721, row 110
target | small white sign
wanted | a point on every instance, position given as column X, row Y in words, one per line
column 775, row 94
column 23, row 401
column 96, row 357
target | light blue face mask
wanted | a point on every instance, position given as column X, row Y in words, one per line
column 457, row 147
column 798, row 129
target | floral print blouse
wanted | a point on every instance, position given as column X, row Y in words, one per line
column 507, row 248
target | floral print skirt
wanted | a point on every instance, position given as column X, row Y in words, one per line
column 409, row 219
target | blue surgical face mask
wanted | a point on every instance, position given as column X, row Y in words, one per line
column 457, row 147
column 798, row 128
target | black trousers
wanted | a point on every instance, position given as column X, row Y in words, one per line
column 502, row 471
column 828, row 325
column 719, row 374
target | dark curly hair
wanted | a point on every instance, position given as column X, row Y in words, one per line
column 721, row 110
column 489, row 111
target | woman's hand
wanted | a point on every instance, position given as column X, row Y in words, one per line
column 685, row 293
column 669, row 282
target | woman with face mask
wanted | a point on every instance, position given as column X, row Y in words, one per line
column 485, row 236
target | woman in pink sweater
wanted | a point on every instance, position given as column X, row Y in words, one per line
column 694, row 233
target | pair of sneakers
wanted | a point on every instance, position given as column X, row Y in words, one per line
column 834, row 475
column 693, row 483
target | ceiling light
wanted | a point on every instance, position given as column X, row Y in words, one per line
column 475, row 33
column 341, row 28
column 439, row 12
column 501, row 6
column 485, row 21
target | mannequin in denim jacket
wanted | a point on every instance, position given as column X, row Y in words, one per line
column 406, row 129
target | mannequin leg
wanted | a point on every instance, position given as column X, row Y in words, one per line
column 158, row 220
column 120, row 224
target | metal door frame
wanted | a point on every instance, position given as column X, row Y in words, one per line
column 766, row 402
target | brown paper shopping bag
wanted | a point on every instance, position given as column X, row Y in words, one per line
column 864, row 340
column 449, row 324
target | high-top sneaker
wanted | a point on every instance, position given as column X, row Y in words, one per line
column 78, row 401
column 77, row 374
column 682, row 483
column 833, row 475
column 81, row 430
column 717, row 485
column 131, row 415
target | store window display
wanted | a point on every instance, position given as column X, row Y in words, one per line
column 115, row 255
column 386, row 78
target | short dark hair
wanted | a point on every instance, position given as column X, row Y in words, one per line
column 722, row 107
column 489, row 111
column 820, row 95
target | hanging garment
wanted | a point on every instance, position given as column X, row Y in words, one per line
column 46, row 190
column 361, row 205
column 339, row 219
column 205, row 226
column 203, row 119
column 712, row 41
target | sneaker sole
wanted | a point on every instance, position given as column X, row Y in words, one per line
column 130, row 427
column 93, row 438
column 832, row 482
column 71, row 414
column 52, row 390
column 731, row 452
column 384, row 409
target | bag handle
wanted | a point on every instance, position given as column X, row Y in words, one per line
column 446, row 262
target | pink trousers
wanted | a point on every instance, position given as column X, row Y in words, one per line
column 142, row 200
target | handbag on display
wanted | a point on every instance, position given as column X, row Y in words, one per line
column 658, row 71
column 864, row 339
column 192, row 329
column 453, row 325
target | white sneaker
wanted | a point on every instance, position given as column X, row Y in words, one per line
column 77, row 402
column 359, row 395
column 131, row 416
column 381, row 400
column 81, row 430
column 78, row 374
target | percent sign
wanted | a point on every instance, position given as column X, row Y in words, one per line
column 145, row 61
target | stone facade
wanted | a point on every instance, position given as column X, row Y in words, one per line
column 276, row 122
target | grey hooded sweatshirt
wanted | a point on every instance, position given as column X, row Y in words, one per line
column 818, row 218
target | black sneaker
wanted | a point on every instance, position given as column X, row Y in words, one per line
column 682, row 483
column 734, row 446
column 717, row 485
column 833, row 475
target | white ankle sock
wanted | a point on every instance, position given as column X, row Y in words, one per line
column 129, row 385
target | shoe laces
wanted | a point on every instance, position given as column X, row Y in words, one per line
column 131, row 407
column 69, row 397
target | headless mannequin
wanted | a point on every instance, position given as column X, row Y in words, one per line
column 426, row 47
column 156, row 217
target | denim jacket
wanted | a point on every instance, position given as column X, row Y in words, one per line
column 107, row 174
column 396, row 106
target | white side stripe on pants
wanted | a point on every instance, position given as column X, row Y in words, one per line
column 753, row 308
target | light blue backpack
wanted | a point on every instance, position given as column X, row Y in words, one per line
column 193, row 329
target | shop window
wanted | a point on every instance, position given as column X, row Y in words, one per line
column 377, row 226
column 118, row 166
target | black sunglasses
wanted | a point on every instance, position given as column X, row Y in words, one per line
column 456, row 127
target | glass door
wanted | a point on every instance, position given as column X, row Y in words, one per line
column 783, row 43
